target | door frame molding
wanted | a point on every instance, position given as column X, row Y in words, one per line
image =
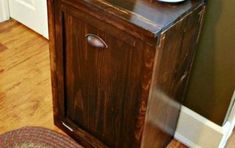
column 4, row 10
column 201, row 128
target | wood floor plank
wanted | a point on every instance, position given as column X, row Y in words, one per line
column 25, row 88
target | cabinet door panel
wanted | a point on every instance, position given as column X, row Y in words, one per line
column 102, row 85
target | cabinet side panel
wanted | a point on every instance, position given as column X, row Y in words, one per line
column 173, row 63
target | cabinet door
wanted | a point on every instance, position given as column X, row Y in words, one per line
column 106, row 79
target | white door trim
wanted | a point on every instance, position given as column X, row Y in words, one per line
column 196, row 131
column 31, row 13
column 4, row 10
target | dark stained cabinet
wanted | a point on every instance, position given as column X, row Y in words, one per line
column 120, row 68
column 103, row 85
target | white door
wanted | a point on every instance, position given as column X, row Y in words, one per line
column 31, row 13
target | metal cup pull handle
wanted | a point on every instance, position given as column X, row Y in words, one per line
column 96, row 41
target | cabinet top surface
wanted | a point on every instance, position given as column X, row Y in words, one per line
column 151, row 15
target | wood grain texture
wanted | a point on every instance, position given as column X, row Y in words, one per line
column 21, row 88
column 105, row 89
column 18, row 80
column 147, row 16
column 176, row 144
column 101, row 94
column 172, row 70
column 25, row 91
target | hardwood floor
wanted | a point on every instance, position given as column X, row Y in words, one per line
column 25, row 85
column 231, row 141
column 25, row 88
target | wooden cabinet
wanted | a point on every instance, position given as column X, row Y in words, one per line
column 120, row 68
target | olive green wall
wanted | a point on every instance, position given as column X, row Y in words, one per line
column 213, row 78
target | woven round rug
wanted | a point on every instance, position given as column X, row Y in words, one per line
column 36, row 137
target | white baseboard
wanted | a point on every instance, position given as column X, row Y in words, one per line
column 4, row 10
column 198, row 132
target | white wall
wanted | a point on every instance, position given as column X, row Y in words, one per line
column 4, row 10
